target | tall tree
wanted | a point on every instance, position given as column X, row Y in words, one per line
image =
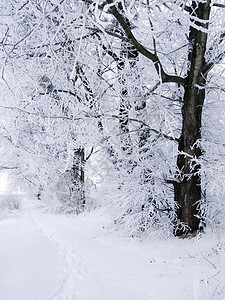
column 193, row 80
column 187, row 187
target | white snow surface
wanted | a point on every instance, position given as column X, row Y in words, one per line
column 47, row 256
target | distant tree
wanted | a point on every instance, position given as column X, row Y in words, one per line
column 38, row 97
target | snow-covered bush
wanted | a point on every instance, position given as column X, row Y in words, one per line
column 10, row 202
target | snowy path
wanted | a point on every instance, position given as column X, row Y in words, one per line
column 29, row 263
column 60, row 257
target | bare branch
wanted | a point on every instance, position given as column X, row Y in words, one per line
column 23, row 5
column 216, row 60
column 150, row 129
column 8, row 168
column 131, row 38
column 219, row 5
column 91, row 152
column 39, row 114
column 62, row 91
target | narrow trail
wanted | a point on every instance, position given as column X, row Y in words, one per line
column 30, row 262
column 36, row 262
column 88, row 264
column 88, row 272
column 72, row 264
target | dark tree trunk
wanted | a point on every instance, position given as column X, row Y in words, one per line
column 187, row 188
column 78, row 178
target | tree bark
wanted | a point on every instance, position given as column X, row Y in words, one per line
column 78, row 178
column 187, row 188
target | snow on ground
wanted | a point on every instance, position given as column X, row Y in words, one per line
column 46, row 256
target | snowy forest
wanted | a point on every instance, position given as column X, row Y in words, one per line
column 117, row 105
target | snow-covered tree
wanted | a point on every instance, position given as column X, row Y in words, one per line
column 130, row 79
column 181, row 42
column 44, row 107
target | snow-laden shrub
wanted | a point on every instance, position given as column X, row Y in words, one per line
column 213, row 183
column 10, row 202
column 212, row 161
column 144, row 209
column 142, row 199
column 70, row 193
